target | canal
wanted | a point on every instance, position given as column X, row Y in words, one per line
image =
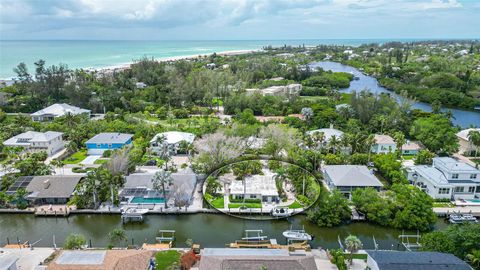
column 461, row 118
column 210, row 230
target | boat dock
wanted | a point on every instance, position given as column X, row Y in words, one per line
column 165, row 238
column 133, row 214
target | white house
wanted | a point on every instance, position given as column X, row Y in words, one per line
column 172, row 139
column 466, row 146
column 279, row 90
column 447, row 178
column 384, row 144
column 411, row 148
column 51, row 141
column 56, row 110
column 328, row 134
column 348, row 178
column 261, row 187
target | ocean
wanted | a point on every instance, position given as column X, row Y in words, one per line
column 99, row 54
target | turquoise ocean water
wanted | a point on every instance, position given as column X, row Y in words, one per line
column 97, row 54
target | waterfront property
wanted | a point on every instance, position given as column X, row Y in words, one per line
column 411, row 148
column 447, row 178
column 392, row 260
column 466, row 146
column 384, row 144
column 172, row 139
column 347, row 178
column 102, row 259
column 47, row 189
column 50, row 142
column 57, row 110
column 246, row 258
column 138, row 187
column 107, row 141
column 279, row 90
column 256, row 187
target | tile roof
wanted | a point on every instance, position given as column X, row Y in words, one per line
column 352, row 176
column 463, row 134
column 60, row 109
column 111, row 137
column 400, row 260
column 102, row 260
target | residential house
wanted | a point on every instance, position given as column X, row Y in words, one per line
column 47, row 189
column 57, row 110
column 249, row 259
column 171, row 138
column 278, row 90
column 419, row 260
column 50, row 142
column 261, row 187
column 328, row 134
column 140, row 185
column 122, row 259
column 107, row 141
column 447, row 178
column 384, row 144
column 348, row 178
column 411, row 148
column 466, row 146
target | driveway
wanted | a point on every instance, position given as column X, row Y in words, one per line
column 90, row 160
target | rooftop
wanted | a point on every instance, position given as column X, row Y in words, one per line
column 453, row 165
column 60, row 109
column 399, row 260
column 383, row 139
column 173, row 137
column 135, row 180
column 328, row 133
column 102, row 260
column 352, row 176
column 256, row 184
column 412, row 145
column 52, row 186
column 110, row 138
column 463, row 134
column 24, row 139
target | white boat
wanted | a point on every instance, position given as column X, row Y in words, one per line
column 459, row 218
column 297, row 235
column 280, row 212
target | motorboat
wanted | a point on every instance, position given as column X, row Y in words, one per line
column 297, row 235
column 280, row 212
column 462, row 218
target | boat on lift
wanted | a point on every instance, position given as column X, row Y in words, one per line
column 462, row 218
column 297, row 235
column 281, row 212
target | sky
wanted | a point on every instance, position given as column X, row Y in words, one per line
column 237, row 19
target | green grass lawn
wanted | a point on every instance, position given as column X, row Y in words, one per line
column 314, row 98
column 100, row 161
column 408, row 157
column 75, row 158
column 358, row 256
column 165, row 259
column 248, row 205
column 476, row 160
column 218, row 202
column 443, row 204
column 295, row 205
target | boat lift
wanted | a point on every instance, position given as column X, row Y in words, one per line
column 257, row 237
column 166, row 237
column 405, row 238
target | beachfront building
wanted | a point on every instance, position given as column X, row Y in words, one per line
column 348, row 178
column 50, row 142
column 447, row 178
column 384, row 144
column 57, row 110
column 419, row 260
column 466, row 146
column 254, row 258
column 256, row 187
column 138, row 187
column 120, row 259
column 411, row 148
column 173, row 139
column 47, row 189
column 107, row 141
column 279, row 90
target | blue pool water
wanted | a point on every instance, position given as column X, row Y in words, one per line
column 474, row 200
column 147, row 200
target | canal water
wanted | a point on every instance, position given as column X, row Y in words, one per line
column 462, row 118
column 210, row 230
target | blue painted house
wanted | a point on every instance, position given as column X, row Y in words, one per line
column 107, row 141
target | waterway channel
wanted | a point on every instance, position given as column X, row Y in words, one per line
column 462, row 118
column 210, row 230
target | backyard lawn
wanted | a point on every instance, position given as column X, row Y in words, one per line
column 247, row 205
column 166, row 259
column 295, row 205
column 218, row 202
column 100, row 161
column 76, row 158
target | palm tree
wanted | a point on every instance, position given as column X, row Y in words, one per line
column 474, row 139
column 399, row 139
column 333, row 143
column 353, row 244
column 474, row 258
column 57, row 164
column 160, row 179
column 369, row 141
column 117, row 235
column 318, row 138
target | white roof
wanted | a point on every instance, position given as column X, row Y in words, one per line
column 383, row 139
column 328, row 133
column 453, row 165
column 351, row 176
column 26, row 138
column 256, row 184
column 412, row 145
column 431, row 173
column 60, row 109
column 173, row 137
column 463, row 134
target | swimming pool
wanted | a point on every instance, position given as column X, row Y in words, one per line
column 473, row 200
column 147, row 200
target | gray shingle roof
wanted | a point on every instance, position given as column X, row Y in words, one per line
column 352, row 176
column 399, row 260
column 60, row 186
column 110, row 138
column 135, row 180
